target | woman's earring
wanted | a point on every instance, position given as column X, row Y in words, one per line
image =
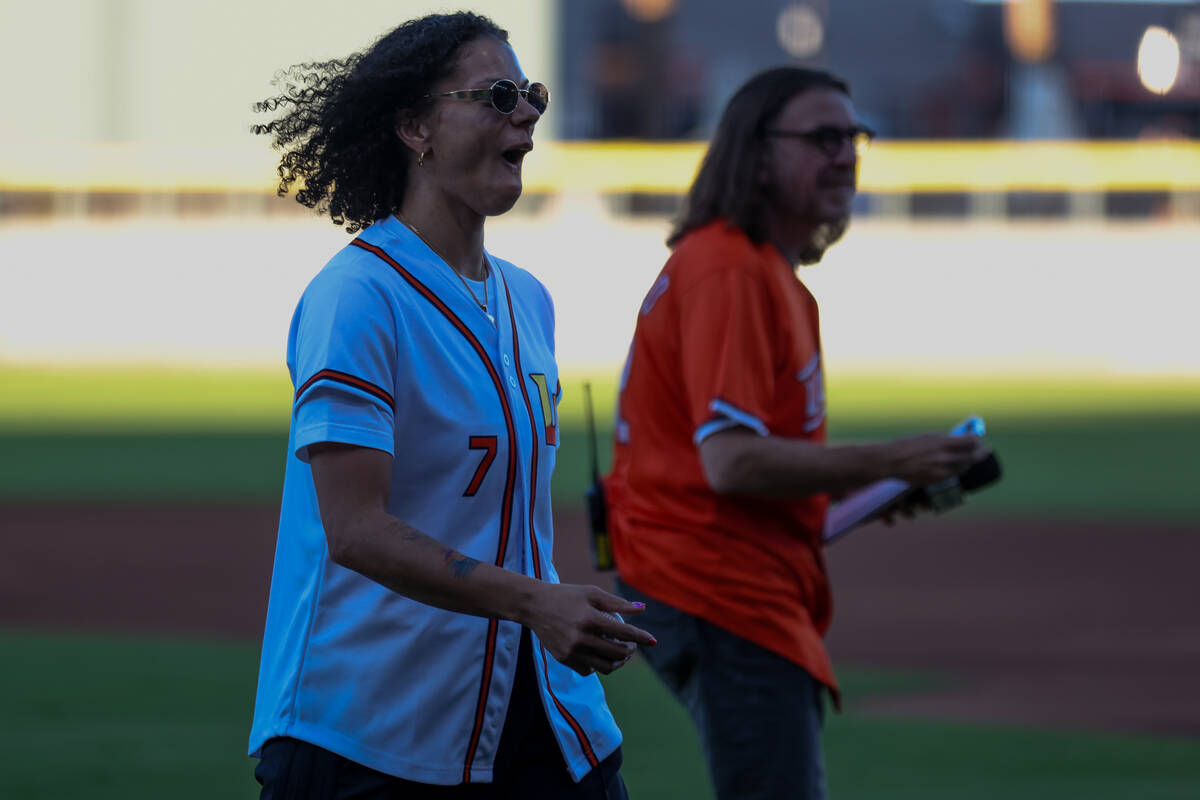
column 421, row 159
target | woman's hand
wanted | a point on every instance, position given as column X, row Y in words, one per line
column 582, row 627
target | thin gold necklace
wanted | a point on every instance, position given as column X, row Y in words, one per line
column 483, row 262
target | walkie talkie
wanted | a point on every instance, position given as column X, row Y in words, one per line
column 602, row 558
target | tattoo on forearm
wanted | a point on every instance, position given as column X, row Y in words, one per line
column 460, row 566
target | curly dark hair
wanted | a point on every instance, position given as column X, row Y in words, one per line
column 727, row 184
column 337, row 129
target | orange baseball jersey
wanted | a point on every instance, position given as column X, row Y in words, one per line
column 727, row 336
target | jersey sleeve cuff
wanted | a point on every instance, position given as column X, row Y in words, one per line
column 329, row 409
column 727, row 416
column 336, row 380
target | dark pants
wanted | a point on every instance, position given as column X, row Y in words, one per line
column 528, row 763
column 759, row 715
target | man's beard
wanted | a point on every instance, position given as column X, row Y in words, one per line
column 823, row 237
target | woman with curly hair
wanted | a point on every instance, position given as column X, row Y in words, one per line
column 418, row 642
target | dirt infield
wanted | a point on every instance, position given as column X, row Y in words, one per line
column 1078, row 625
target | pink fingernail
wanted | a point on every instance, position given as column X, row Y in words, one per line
column 639, row 605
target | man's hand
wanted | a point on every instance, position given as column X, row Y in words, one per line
column 929, row 458
column 907, row 506
column 577, row 625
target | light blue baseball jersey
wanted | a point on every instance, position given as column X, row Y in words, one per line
column 388, row 350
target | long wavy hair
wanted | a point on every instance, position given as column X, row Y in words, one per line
column 337, row 126
column 727, row 185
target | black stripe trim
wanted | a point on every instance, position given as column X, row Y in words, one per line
column 509, row 480
column 580, row 734
column 349, row 380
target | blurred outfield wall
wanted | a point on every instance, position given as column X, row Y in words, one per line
column 1085, row 297
column 147, row 103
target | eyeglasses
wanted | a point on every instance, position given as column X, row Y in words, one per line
column 504, row 95
column 830, row 139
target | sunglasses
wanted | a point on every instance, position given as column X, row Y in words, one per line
column 830, row 139
column 504, row 95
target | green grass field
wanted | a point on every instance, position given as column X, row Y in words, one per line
column 1093, row 468
column 114, row 717
column 1082, row 448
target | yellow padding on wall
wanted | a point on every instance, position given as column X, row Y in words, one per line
column 652, row 167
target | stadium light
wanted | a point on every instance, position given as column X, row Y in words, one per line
column 800, row 30
column 1158, row 59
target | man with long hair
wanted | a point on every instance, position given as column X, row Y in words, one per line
column 722, row 475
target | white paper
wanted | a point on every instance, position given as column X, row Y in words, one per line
column 861, row 506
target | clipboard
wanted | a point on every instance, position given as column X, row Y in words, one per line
column 860, row 507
